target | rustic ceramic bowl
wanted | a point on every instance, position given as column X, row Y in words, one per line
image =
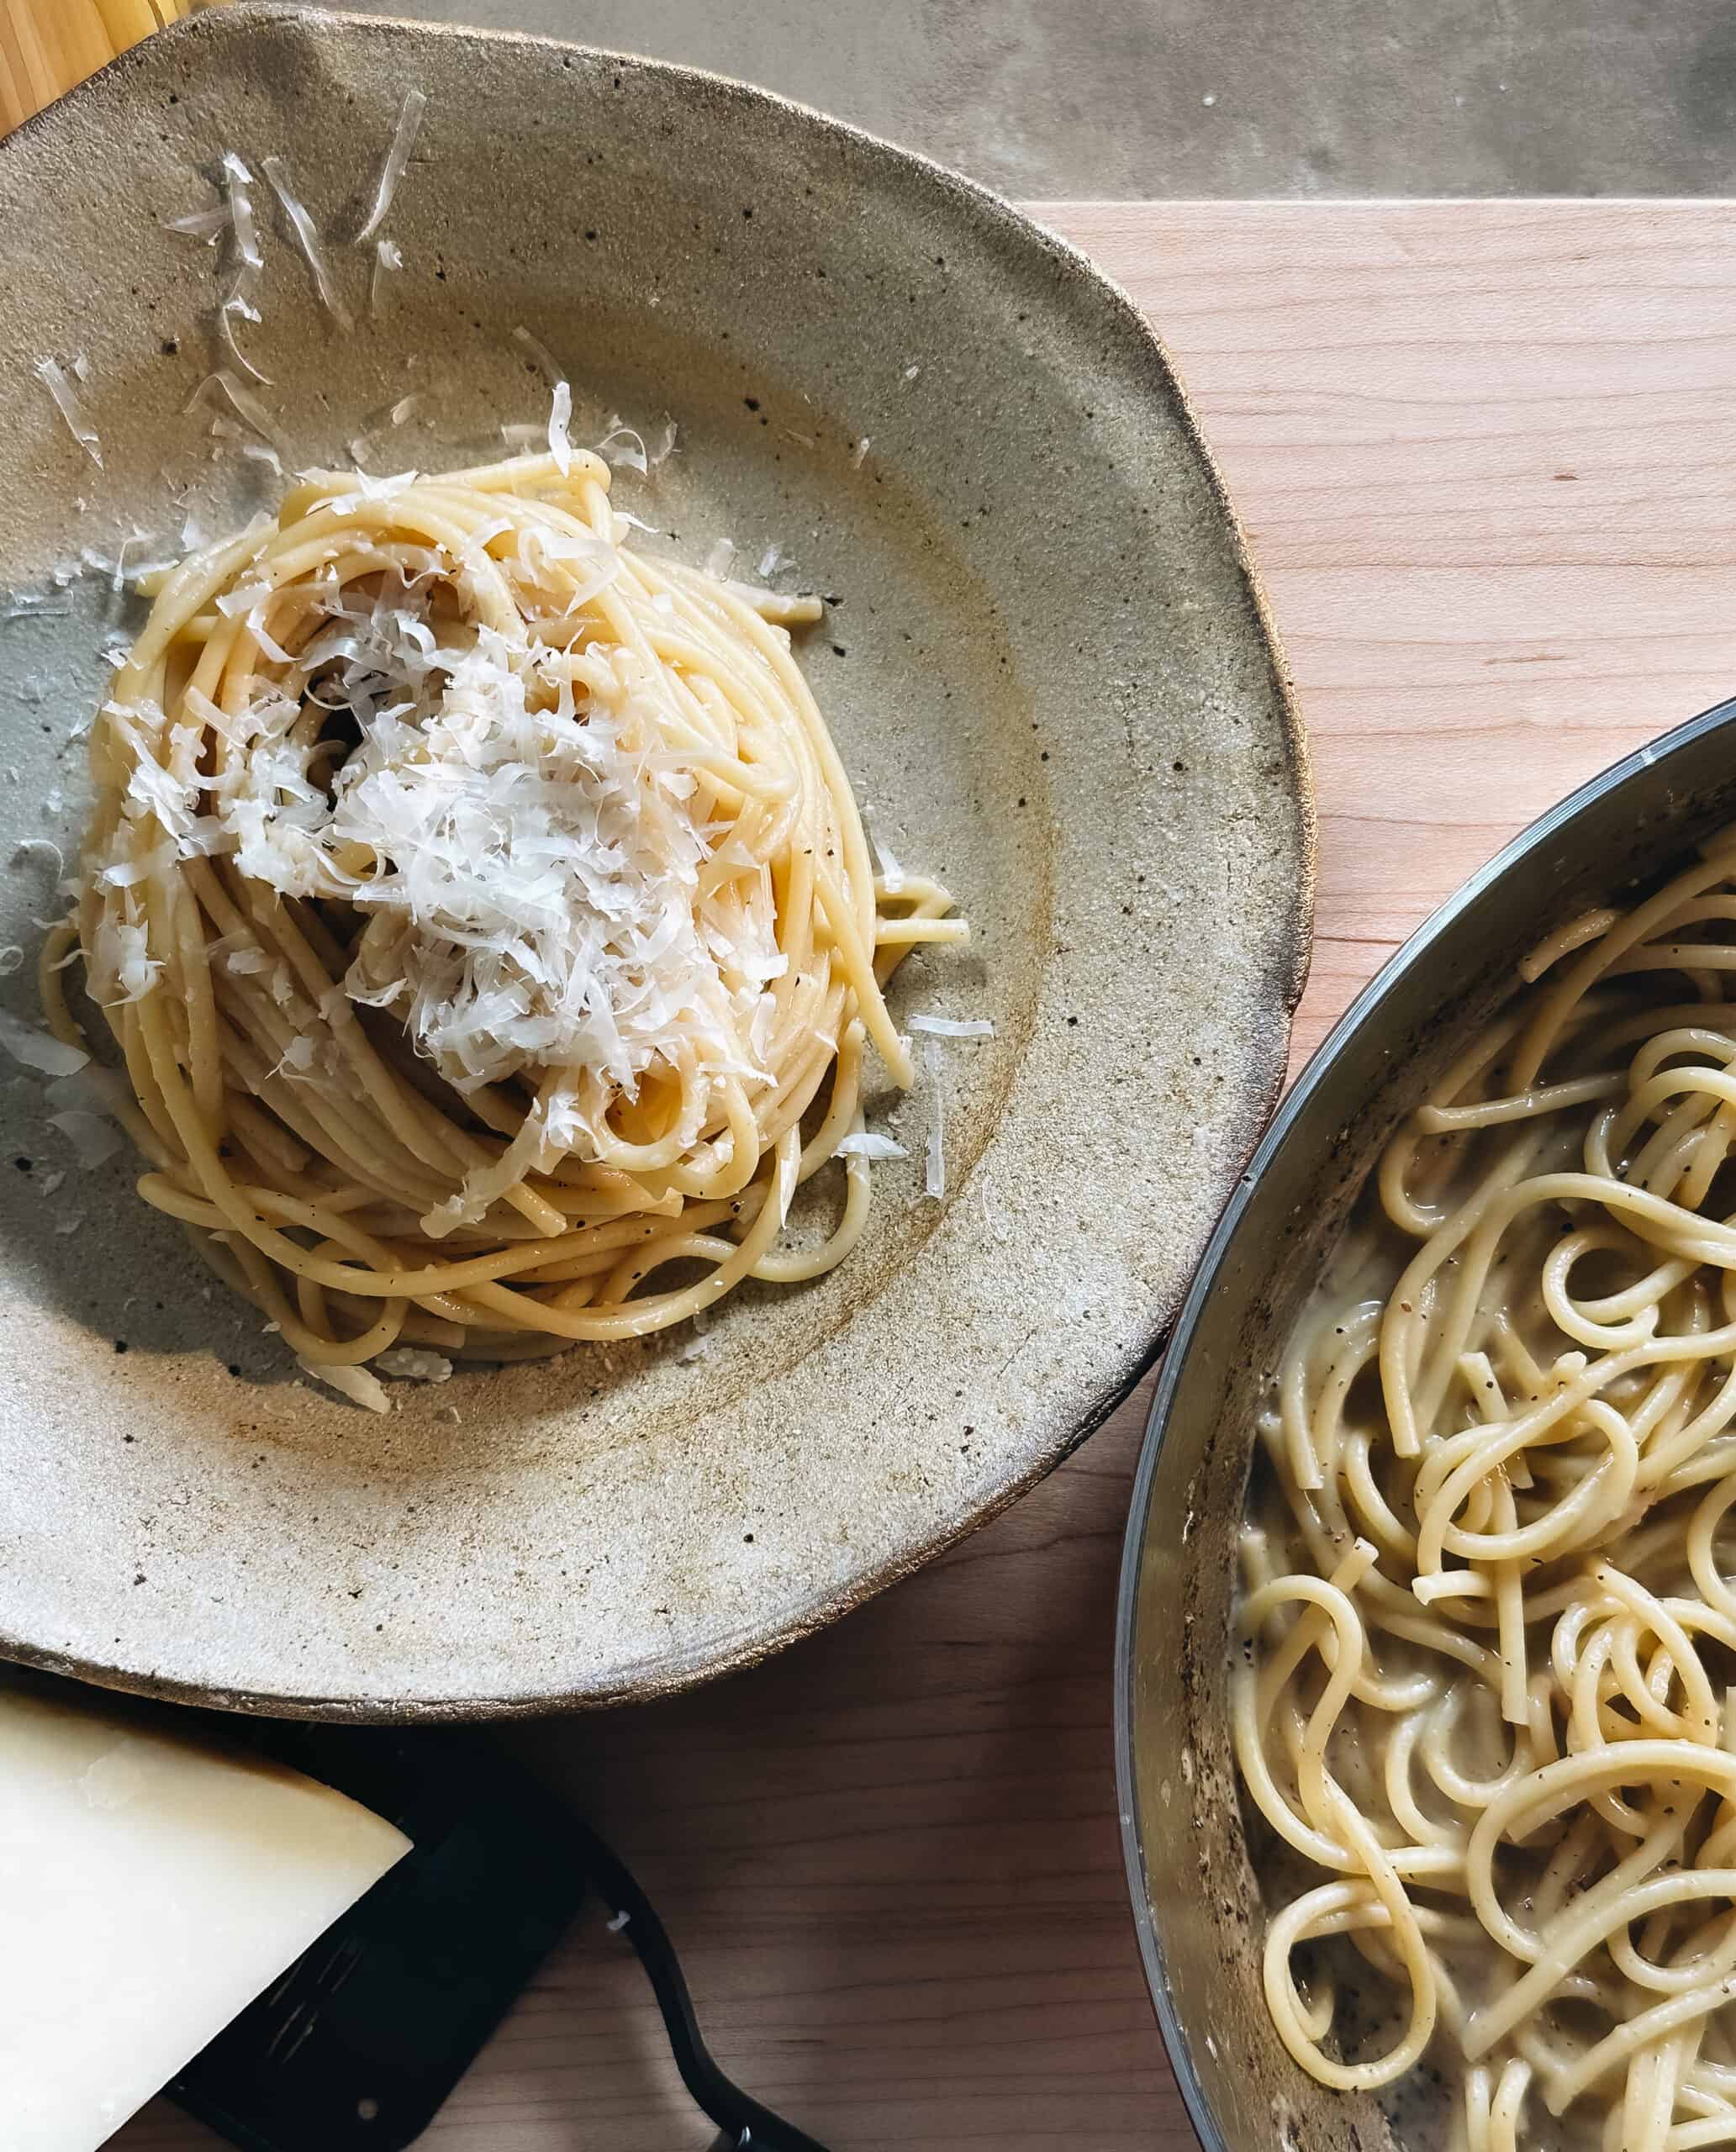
column 1049, row 670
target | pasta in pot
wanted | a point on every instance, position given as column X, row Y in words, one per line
column 479, row 908
column 1486, row 1691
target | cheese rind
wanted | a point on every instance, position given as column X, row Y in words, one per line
column 150, row 1888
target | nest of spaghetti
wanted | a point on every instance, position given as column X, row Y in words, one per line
column 485, row 920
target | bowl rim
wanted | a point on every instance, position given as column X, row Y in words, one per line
column 1292, row 933
column 1363, row 1010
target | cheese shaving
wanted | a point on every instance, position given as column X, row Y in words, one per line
column 356, row 1384
column 245, row 597
column 935, row 1029
column 388, row 258
column 267, row 643
column 863, row 1143
column 123, row 969
column 306, row 238
column 552, row 370
column 38, row 1049
column 934, row 1177
column 49, row 373
column 118, row 578
column 559, row 418
column 236, row 180
column 952, row 1027
column 411, row 1364
column 241, row 400
column 92, row 1088
column 248, row 260
column 892, row 875
column 625, row 446
column 93, row 1138
column 398, row 157
column 226, row 337
column 207, row 225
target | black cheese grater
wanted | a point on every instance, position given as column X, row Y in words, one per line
column 358, row 2044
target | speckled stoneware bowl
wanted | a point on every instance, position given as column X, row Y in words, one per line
column 1050, row 673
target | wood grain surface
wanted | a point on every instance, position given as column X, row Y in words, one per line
column 1486, row 454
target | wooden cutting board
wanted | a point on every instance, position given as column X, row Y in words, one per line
column 1486, row 453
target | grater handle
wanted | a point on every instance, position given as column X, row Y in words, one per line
column 744, row 2125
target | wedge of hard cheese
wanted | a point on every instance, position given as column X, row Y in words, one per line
column 150, row 1888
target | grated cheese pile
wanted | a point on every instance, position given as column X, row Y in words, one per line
column 511, row 819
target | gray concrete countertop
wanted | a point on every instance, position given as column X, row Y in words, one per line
column 1045, row 98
